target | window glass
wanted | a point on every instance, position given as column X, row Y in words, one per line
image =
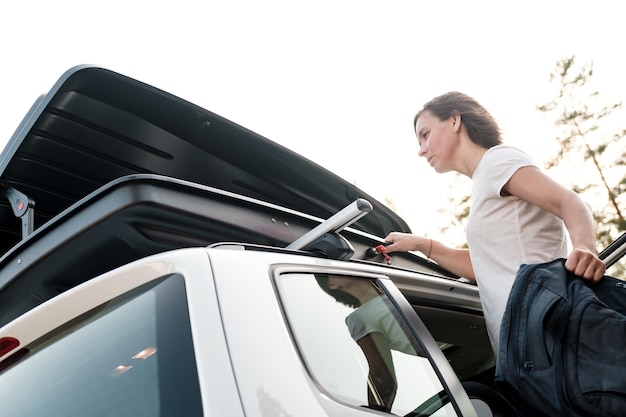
column 131, row 357
column 356, row 346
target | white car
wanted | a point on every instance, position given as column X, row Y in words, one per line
column 159, row 260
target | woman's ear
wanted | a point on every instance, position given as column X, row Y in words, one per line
column 455, row 117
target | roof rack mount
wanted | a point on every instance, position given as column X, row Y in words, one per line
column 23, row 207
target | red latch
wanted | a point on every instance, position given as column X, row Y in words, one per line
column 383, row 251
column 7, row 344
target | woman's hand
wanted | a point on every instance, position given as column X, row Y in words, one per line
column 404, row 242
column 584, row 263
column 454, row 260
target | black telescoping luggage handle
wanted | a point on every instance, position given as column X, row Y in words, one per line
column 615, row 251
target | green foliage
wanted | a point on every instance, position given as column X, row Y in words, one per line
column 458, row 208
column 586, row 145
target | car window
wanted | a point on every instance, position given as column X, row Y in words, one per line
column 130, row 357
column 356, row 346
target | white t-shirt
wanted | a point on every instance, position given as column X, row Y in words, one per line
column 505, row 232
column 374, row 316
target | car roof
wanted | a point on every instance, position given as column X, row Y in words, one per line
column 96, row 125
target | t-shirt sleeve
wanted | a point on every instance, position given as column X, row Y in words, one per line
column 501, row 163
column 358, row 326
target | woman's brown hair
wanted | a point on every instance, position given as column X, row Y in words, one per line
column 480, row 125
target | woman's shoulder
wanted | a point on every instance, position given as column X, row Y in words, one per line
column 501, row 162
column 507, row 152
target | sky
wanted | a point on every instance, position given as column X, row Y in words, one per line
column 336, row 81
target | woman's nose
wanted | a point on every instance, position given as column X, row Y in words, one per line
column 423, row 149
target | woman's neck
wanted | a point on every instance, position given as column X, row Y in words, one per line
column 367, row 293
column 470, row 155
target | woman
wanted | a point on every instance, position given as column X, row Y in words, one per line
column 518, row 215
column 374, row 329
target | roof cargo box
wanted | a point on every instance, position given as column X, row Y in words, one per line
column 95, row 126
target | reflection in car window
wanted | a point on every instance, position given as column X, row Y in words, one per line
column 131, row 357
column 355, row 346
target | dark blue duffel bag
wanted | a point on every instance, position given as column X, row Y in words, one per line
column 563, row 342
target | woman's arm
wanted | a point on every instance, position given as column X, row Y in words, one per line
column 381, row 384
column 532, row 185
column 454, row 260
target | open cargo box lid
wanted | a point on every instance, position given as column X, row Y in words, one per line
column 96, row 125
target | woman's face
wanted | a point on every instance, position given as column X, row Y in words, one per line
column 438, row 141
column 350, row 285
column 340, row 282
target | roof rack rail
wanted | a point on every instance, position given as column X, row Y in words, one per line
column 325, row 237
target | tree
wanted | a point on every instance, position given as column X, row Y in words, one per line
column 458, row 209
column 585, row 144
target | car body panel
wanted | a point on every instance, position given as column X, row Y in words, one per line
column 243, row 348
